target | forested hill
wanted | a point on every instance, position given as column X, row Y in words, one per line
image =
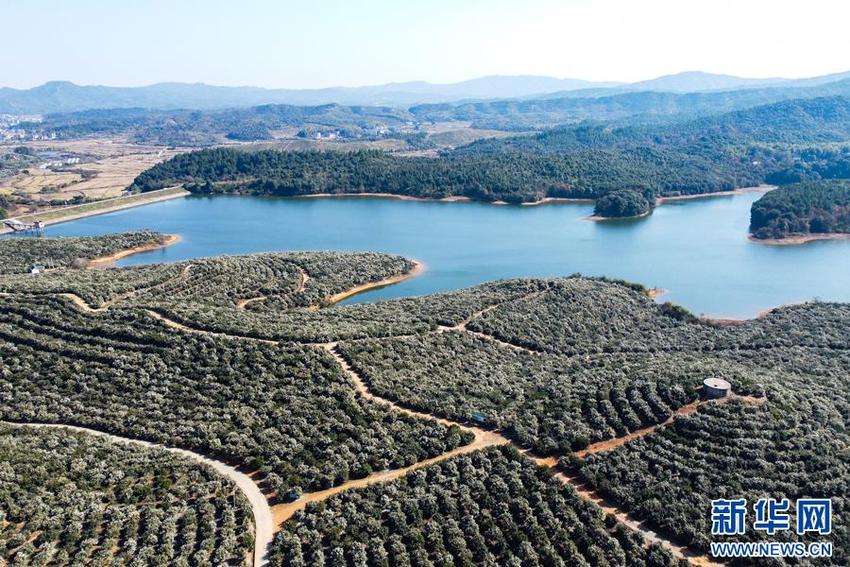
column 802, row 209
column 779, row 143
column 637, row 107
column 204, row 128
column 514, row 177
column 804, row 121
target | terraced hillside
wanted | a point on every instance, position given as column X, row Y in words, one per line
column 72, row 498
column 372, row 428
column 18, row 255
column 492, row 507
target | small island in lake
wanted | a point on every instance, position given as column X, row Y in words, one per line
column 802, row 212
column 623, row 203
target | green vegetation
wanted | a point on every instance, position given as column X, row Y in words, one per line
column 551, row 404
column 719, row 153
column 18, row 255
column 623, row 203
column 76, row 499
column 609, row 105
column 492, row 507
column 821, row 207
column 203, row 128
column 796, row 445
column 295, row 279
column 598, row 360
column 553, row 364
column 512, row 177
column 244, row 121
column 799, row 122
column 287, row 410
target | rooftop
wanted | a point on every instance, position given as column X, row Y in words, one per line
column 717, row 383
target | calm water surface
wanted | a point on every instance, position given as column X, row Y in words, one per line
column 697, row 250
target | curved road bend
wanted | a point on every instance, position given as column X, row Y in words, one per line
column 264, row 526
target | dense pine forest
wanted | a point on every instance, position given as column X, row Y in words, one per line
column 812, row 208
column 744, row 148
column 512, row 177
column 241, row 358
column 622, row 203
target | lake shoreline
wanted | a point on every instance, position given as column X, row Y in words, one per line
column 417, row 269
column 799, row 239
column 107, row 261
column 94, row 208
column 450, row 199
column 676, row 249
column 394, row 196
column 597, row 218
column 152, row 197
column 739, row 191
column 662, row 200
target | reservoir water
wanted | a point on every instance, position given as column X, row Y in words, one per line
column 697, row 250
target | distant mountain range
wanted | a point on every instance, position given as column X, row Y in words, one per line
column 697, row 81
column 63, row 96
column 635, row 106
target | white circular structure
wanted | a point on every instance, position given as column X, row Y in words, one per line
column 716, row 388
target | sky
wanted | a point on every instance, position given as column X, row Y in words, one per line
column 321, row 43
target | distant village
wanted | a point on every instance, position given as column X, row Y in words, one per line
column 10, row 130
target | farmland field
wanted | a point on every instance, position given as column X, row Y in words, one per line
column 62, row 171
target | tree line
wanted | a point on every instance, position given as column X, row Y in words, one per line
column 818, row 207
column 632, row 164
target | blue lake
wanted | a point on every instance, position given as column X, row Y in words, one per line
column 697, row 250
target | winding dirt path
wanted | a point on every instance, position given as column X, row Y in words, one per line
column 243, row 304
column 687, row 409
column 305, row 277
column 186, row 329
column 264, row 525
column 461, row 327
column 485, row 438
column 269, row 519
column 283, row 512
column 650, row 535
column 82, row 304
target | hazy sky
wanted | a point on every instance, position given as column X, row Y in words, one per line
column 317, row 43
